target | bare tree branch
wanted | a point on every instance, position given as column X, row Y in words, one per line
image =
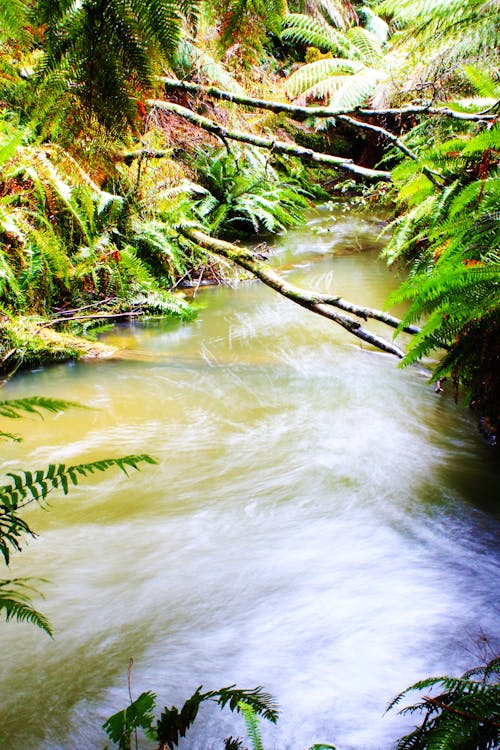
column 282, row 147
column 321, row 304
column 301, row 113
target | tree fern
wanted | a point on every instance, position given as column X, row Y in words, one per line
column 344, row 81
column 102, row 52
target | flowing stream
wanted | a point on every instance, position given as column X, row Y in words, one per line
column 320, row 522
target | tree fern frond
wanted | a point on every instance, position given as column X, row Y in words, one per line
column 310, row 31
column 457, row 29
column 367, row 45
column 483, row 82
column 465, row 715
column 310, row 74
column 13, row 19
column 357, row 89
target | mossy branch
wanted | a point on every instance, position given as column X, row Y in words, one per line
column 301, row 113
column 272, row 144
column 321, row 304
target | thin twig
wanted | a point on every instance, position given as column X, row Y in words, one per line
column 129, row 683
column 61, row 311
column 457, row 711
column 103, row 316
column 199, row 281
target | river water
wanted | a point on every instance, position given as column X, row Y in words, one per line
column 320, row 521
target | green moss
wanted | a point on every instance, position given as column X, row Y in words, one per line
column 25, row 343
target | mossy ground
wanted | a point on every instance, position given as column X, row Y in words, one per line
column 26, row 343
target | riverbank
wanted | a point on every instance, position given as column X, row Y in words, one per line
column 27, row 343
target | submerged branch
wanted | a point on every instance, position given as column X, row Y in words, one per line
column 321, row 304
column 282, row 147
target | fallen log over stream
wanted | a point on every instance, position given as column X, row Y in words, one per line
column 321, row 304
column 281, row 147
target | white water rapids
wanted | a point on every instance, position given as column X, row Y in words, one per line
column 320, row 523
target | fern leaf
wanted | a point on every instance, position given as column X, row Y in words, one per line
column 35, row 486
column 367, row 45
column 309, row 75
column 15, row 603
column 356, row 90
column 252, row 725
column 16, row 408
column 307, row 30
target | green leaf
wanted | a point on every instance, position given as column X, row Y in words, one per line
column 17, row 408
column 139, row 714
column 15, row 603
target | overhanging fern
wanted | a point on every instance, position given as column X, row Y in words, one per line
column 464, row 714
column 173, row 723
column 26, row 487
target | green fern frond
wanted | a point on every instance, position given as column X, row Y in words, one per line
column 138, row 714
column 103, row 54
column 17, row 408
column 15, row 603
column 367, row 45
column 456, row 30
column 313, row 73
column 252, row 725
column 464, row 715
column 314, row 33
column 483, row 82
column 357, row 89
column 29, row 486
column 13, row 17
